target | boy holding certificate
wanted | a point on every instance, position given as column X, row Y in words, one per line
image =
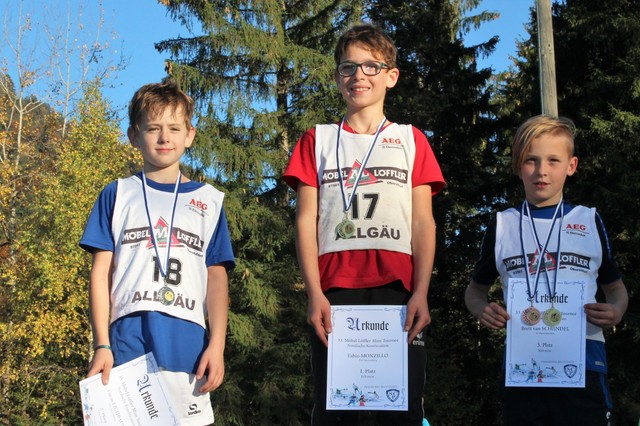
column 161, row 251
column 545, row 244
column 364, row 223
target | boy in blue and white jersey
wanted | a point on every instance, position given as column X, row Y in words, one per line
column 573, row 242
column 161, row 252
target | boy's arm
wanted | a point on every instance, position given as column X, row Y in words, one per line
column 610, row 313
column 99, row 310
column 423, row 247
column 212, row 361
column 319, row 308
column 490, row 315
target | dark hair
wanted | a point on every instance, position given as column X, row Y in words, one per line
column 152, row 99
column 371, row 37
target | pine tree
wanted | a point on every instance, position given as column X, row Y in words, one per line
column 599, row 60
column 261, row 74
column 597, row 50
column 442, row 92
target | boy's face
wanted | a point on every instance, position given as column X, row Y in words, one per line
column 545, row 168
column 162, row 140
column 362, row 91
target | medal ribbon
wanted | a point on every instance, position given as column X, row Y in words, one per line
column 543, row 249
column 346, row 204
column 163, row 269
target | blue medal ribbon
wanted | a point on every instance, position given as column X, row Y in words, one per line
column 346, row 204
column 163, row 268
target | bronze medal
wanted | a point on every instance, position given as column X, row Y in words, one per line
column 552, row 317
column 531, row 316
column 346, row 229
column 166, row 295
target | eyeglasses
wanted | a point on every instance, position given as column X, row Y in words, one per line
column 347, row 69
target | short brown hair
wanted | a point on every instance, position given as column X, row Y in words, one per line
column 371, row 37
column 534, row 128
column 152, row 99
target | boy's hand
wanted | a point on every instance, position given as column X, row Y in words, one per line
column 418, row 316
column 102, row 361
column 603, row 314
column 494, row 316
column 319, row 316
column 211, row 364
column 610, row 313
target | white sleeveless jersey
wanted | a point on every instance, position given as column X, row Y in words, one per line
column 381, row 207
column 136, row 278
column 580, row 252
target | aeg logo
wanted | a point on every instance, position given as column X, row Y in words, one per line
column 198, row 204
column 576, row 227
column 395, row 141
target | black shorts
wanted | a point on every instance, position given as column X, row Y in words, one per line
column 588, row 406
column 390, row 294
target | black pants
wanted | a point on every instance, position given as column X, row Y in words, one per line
column 588, row 406
column 390, row 294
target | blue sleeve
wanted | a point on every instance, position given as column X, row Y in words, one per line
column 97, row 232
column 220, row 250
column 485, row 271
column 608, row 271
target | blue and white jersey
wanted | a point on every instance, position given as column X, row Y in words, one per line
column 199, row 238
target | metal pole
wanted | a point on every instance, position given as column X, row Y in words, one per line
column 546, row 59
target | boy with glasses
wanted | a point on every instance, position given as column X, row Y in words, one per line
column 364, row 223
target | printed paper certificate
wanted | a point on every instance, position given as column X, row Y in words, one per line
column 367, row 358
column 135, row 395
column 541, row 355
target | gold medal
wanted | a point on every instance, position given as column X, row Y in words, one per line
column 552, row 317
column 531, row 316
column 166, row 295
column 346, row 229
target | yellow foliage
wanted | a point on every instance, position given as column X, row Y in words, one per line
column 45, row 334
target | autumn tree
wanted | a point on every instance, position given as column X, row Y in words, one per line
column 46, row 342
column 39, row 86
column 39, row 81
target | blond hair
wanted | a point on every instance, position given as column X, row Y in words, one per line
column 535, row 127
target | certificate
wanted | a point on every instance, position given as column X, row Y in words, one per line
column 367, row 358
column 542, row 355
column 135, row 395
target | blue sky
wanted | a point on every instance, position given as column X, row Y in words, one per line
column 135, row 25
column 510, row 27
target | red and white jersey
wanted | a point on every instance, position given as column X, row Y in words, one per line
column 381, row 206
column 380, row 250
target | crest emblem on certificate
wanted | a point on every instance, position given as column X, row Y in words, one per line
column 570, row 370
column 393, row 394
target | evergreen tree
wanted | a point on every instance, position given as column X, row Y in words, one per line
column 442, row 92
column 261, row 73
column 597, row 50
column 599, row 78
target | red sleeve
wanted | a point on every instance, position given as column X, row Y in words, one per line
column 426, row 170
column 302, row 164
